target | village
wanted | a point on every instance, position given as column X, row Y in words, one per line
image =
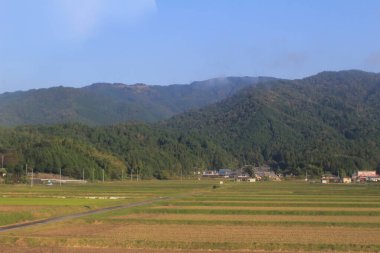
column 251, row 174
column 360, row 176
column 247, row 173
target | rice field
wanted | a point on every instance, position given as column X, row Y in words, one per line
column 21, row 203
column 202, row 216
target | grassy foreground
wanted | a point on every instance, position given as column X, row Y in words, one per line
column 270, row 216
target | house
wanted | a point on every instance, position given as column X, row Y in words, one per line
column 366, row 173
column 346, row 180
column 217, row 173
column 366, row 176
column 224, row 173
column 243, row 177
column 374, row 179
column 210, row 173
column 326, row 179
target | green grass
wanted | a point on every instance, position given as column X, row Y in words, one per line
column 14, row 217
column 56, row 202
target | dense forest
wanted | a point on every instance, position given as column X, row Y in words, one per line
column 329, row 122
column 141, row 150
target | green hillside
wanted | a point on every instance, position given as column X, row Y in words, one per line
column 327, row 122
column 135, row 148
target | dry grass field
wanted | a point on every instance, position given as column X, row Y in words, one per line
column 236, row 217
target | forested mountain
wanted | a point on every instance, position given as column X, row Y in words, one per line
column 327, row 122
column 121, row 149
column 106, row 104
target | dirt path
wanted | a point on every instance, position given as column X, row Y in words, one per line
column 78, row 215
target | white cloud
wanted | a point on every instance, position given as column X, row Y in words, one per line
column 81, row 18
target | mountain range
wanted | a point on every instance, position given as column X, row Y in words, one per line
column 106, row 104
column 328, row 122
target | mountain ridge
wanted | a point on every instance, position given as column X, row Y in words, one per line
column 296, row 123
column 113, row 103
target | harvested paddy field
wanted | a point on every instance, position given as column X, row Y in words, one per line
column 21, row 203
column 269, row 216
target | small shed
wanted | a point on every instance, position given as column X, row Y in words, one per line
column 346, row 180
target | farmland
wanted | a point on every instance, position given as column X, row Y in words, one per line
column 195, row 216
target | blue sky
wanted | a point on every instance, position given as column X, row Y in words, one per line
column 46, row 43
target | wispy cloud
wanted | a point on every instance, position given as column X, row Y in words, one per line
column 81, row 18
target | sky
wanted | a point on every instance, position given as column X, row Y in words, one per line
column 45, row 43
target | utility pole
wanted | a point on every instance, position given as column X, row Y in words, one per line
column 2, row 161
column 103, row 175
column 93, row 175
column 122, row 175
column 26, row 173
column 31, row 181
column 83, row 175
column 60, row 177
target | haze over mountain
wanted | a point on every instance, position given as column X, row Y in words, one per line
column 105, row 104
